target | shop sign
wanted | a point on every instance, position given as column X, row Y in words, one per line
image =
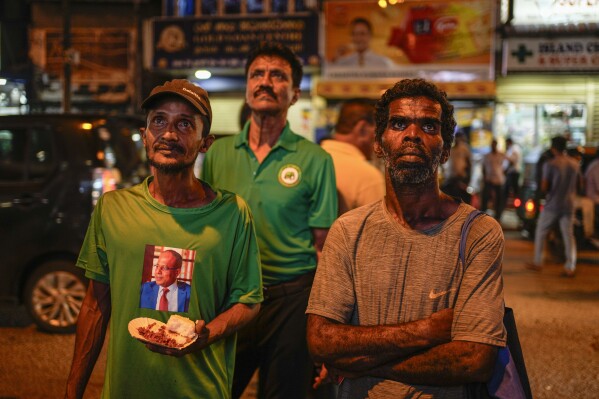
column 563, row 54
column 102, row 61
column 374, row 90
column 551, row 12
column 409, row 39
column 224, row 42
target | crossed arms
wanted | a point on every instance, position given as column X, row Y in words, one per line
column 417, row 352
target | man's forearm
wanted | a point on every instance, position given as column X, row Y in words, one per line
column 91, row 331
column 231, row 320
column 455, row 363
column 356, row 348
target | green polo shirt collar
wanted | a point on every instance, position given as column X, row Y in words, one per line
column 287, row 140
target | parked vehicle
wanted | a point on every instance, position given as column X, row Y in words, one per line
column 53, row 168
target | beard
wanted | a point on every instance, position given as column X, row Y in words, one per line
column 402, row 172
column 170, row 168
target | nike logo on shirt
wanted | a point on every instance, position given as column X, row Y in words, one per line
column 435, row 295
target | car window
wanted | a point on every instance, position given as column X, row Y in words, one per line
column 13, row 143
column 23, row 160
column 40, row 154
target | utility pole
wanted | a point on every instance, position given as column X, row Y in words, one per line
column 136, row 97
column 67, row 54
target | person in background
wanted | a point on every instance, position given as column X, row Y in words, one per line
column 392, row 310
column 512, row 166
column 458, row 169
column 361, row 55
column 358, row 182
column 582, row 202
column 493, row 180
column 289, row 183
column 560, row 182
column 591, row 179
column 171, row 209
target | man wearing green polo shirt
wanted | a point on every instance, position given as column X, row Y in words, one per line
column 289, row 184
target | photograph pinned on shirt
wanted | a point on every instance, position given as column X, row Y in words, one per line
column 166, row 278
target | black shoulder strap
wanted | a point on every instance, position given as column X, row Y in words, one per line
column 465, row 229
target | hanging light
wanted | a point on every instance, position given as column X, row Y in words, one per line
column 383, row 3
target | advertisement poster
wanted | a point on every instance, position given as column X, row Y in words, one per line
column 437, row 40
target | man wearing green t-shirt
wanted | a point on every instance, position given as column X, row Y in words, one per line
column 210, row 234
column 289, row 184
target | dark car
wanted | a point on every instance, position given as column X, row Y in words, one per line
column 53, row 168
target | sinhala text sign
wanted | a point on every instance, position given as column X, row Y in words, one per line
column 184, row 43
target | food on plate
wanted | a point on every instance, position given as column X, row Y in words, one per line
column 181, row 325
column 177, row 333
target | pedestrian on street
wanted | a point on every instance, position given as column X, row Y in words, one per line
column 493, row 180
column 170, row 212
column 458, row 169
column 591, row 186
column 393, row 311
column 560, row 182
column 512, row 166
column 289, row 184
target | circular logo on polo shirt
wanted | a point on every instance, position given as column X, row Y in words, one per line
column 290, row 175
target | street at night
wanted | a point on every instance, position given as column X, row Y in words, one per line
column 556, row 317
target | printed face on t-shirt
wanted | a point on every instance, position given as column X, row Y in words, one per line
column 167, row 268
column 166, row 279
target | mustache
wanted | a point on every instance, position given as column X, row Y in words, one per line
column 266, row 90
column 163, row 145
column 412, row 149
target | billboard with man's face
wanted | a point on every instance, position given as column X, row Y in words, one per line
column 437, row 40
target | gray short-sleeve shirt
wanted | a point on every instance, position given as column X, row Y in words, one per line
column 375, row 272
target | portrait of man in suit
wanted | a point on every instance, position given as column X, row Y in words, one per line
column 166, row 293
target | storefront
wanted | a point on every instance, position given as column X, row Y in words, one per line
column 549, row 83
column 13, row 96
column 532, row 108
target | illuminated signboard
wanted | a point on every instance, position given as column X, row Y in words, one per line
column 565, row 53
column 550, row 12
column 224, row 42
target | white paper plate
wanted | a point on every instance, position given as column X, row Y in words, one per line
column 145, row 322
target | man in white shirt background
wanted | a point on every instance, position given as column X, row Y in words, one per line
column 362, row 56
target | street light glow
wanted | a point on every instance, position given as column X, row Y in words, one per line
column 203, row 74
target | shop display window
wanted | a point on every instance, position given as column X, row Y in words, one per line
column 533, row 125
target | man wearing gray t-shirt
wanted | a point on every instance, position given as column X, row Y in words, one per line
column 560, row 182
column 393, row 311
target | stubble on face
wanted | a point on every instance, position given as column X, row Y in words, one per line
column 408, row 172
column 169, row 168
column 166, row 154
